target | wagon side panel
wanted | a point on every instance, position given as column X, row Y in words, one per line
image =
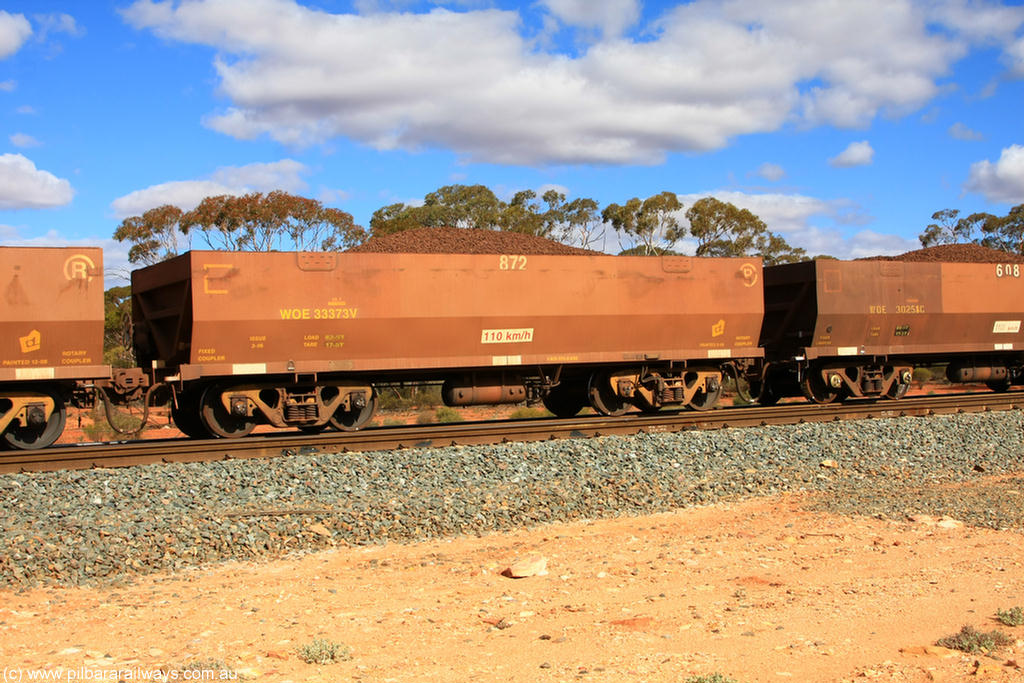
column 51, row 313
column 362, row 312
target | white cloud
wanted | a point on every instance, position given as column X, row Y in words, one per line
column 870, row 243
column 8, row 86
column 1002, row 181
column 24, row 140
column 855, row 154
column 962, row 132
column 982, row 21
column 703, row 73
column 611, row 17
column 235, row 180
column 14, row 31
column 116, row 267
column 23, row 186
column 1015, row 56
column 285, row 174
column 809, row 223
column 772, row 172
column 58, row 23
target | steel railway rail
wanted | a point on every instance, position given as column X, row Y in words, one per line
column 125, row 454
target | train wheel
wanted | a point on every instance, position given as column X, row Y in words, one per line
column 351, row 420
column 218, row 420
column 33, row 437
column 815, row 389
column 185, row 413
column 565, row 400
column 897, row 391
column 999, row 386
column 706, row 400
column 602, row 398
column 763, row 393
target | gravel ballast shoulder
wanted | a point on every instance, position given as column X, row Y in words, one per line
column 89, row 526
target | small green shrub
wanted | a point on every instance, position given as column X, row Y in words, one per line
column 216, row 665
column 922, row 375
column 425, row 418
column 446, row 414
column 322, row 651
column 127, row 420
column 973, row 641
column 529, row 413
column 1011, row 617
column 403, row 398
column 712, row 678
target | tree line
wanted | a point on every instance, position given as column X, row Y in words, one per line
column 279, row 221
column 1005, row 233
column 652, row 226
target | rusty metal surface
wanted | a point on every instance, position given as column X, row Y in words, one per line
column 51, row 313
column 222, row 313
column 420, row 436
column 848, row 308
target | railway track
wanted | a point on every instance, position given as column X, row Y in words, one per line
column 124, row 454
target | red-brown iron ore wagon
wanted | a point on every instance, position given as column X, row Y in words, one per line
column 51, row 336
column 302, row 339
column 856, row 328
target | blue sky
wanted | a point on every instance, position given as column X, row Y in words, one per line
column 844, row 125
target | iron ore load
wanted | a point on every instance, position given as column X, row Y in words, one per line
column 306, row 340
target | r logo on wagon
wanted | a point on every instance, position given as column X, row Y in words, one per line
column 748, row 273
column 79, row 267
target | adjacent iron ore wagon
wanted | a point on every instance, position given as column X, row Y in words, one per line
column 51, row 336
column 303, row 339
column 856, row 328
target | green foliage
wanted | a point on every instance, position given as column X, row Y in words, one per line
column 1005, row 233
column 723, row 229
column 445, row 414
column 476, row 206
column 1011, row 617
column 403, row 398
column 206, row 669
column 923, row 374
column 126, row 419
column 322, row 651
column 973, row 641
column 210, row 664
column 155, row 236
column 117, row 327
column 274, row 221
column 712, row 678
column 529, row 413
column 650, row 224
column 648, row 251
column 456, row 206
